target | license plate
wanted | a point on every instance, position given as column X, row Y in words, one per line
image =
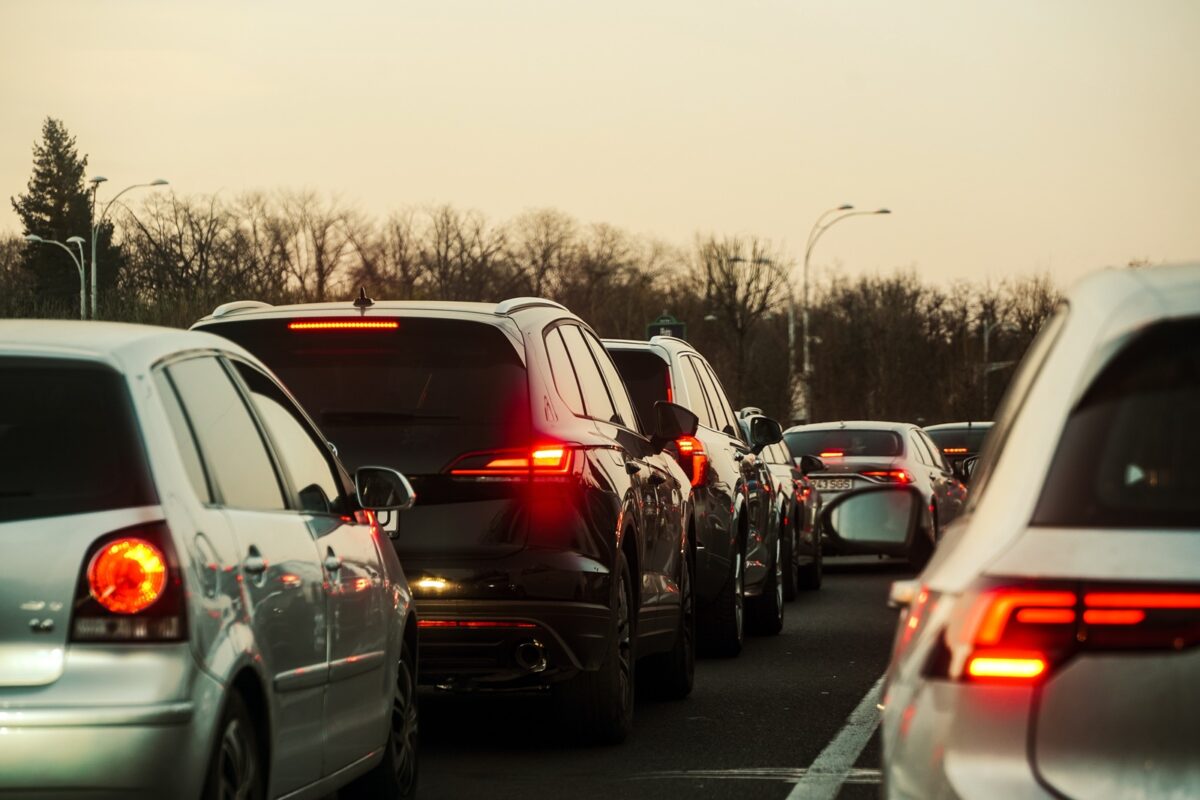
column 832, row 484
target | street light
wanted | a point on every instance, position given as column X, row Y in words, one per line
column 988, row 367
column 98, row 221
column 818, row 230
column 78, row 242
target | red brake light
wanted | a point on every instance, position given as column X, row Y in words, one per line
column 344, row 325
column 832, row 454
column 127, row 575
column 1010, row 667
column 889, row 475
column 544, row 460
column 954, row 451
column 692, row 458
column 474, row 624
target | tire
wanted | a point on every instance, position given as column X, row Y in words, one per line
column 235, row 768
column 727, row 629
column 395, row 777
column 597, row 706
column 788, row 556
column 766, row 610
column 808, row 577
column 673, row 673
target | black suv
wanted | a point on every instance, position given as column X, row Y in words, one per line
column 737, row 538
column 550, row 544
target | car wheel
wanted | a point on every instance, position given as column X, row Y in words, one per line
column 395, row 777
column 788, row 556
column 672, row 674
column 726, row 629
column 598, row 705
column 235, row 771
column 766, row 612
column 809, row 576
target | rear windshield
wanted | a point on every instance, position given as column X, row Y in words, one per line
column 844, row 442
column 647, row 377
column 958, row 441
column 1127, row 456
column 413, row 398
column 69, row 441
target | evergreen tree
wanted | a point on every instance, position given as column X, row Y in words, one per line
column 56, row 205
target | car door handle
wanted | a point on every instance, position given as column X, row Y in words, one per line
column 332, row 562
column 254, row 563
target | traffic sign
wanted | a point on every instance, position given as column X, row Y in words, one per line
column 667, row 325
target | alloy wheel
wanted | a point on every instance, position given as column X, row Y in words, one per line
column 404, row 737
column 624, row 645
column 236, row 769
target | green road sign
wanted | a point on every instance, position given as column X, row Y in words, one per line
column 666, row 325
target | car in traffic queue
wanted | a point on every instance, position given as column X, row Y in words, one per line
column 860, row 454
column 737, row 553
column 196, row 598
column 959, row 441
column 1050, row 648
column 551, row 545
column 799, row 518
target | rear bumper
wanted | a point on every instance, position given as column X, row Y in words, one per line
column 473, row 644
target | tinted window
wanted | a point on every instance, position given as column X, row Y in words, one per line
column 616, row 386
column 938, row 459
column 919, row 450
column 699, row 403
column 185, row 439
column 563, row 373
column 229, row 439
column 716, row 395
column 1127, row 456
column 595, row 396
column 69, row 441
column 304, row 456
column 414, row 398
column 958, row 441
column 845, row 442
column 647, row 377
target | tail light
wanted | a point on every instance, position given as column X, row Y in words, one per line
column 544, row 461
column 888, row 476
column 1018, row 634
column 954, row 451
column 692, row 458
column 130, row 589
column 832, row 453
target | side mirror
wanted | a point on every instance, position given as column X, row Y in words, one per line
column 878, row 519
column 383, row 489
column 810, row 464
column 903, row 593
column 671, row 421
column 764, row 431
column 968, row 468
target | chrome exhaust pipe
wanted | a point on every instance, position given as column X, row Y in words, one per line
column 531, row 656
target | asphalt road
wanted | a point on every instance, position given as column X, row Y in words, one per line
column 751, row 728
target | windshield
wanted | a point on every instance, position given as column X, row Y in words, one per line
column 844, row 442
column 62, row 455
column 412, row 398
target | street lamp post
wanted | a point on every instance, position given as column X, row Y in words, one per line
column 97, row 221
column 78, row 242
column 988, row 367
column 818, row 230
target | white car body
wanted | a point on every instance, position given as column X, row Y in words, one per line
column 1122, row 723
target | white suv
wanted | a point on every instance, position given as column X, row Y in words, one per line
column 1049, row 649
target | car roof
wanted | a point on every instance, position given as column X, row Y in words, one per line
column 858, row 425
column 959, row 426
column 667, row 343
column 119, row 344
column 252, row 309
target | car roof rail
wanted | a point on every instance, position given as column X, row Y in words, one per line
column 225, row 309
column 670, row 339
column 517, row 303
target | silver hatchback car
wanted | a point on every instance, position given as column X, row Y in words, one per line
column 196, row 601
column 1051, row 648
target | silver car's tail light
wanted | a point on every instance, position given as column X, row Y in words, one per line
column 1023, row 632
column 130, row 589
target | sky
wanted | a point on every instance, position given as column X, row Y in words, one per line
column 1008, row 137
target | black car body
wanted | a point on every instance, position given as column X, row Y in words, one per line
column 736, row 534
column 959, row 441
column 800, row 523
column 550, row 542
column 860, row 454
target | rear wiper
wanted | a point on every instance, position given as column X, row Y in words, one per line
column 376, row 417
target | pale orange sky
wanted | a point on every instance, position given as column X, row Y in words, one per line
column 1008, row 137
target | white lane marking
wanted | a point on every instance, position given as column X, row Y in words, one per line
column 781, row 774
column 823, row 780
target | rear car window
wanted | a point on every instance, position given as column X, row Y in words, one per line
column 647, row 377
column 413, row 398
column 845, row 442
column 958, row 441
column 1127, row 456
column 70, row 441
